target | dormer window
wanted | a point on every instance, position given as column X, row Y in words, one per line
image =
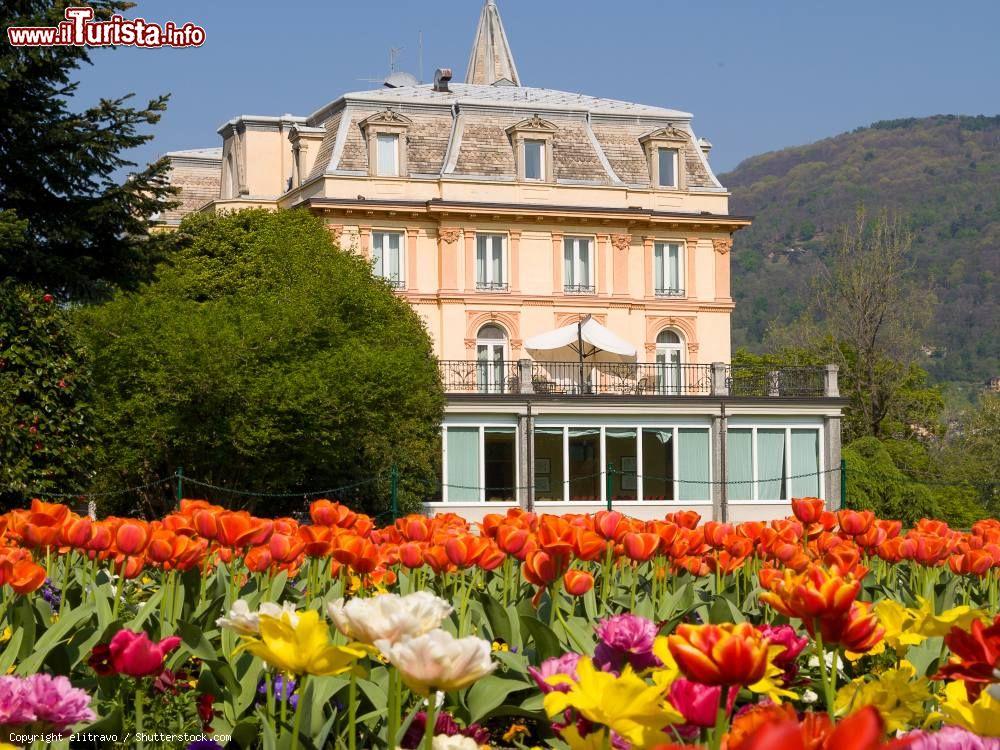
column 534, row 160
column 665, row 155
column 667, row 158
column 385, row 134
column 532, row 141
column 387, row 155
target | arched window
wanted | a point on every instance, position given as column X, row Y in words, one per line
column 491, row 352
column 669, row 372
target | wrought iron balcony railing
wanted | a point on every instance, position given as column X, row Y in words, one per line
column 492, row 286
column 579, row 288
column 630, row 379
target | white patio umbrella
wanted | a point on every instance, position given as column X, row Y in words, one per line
column 577, row 335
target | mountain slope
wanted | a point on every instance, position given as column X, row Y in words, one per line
column 942, row 174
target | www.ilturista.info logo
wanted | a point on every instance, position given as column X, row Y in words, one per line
column 80, row 29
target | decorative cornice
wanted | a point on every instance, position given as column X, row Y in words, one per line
column 449, row 235
column 669, row 133
column 386, row 117
column 533, row 124
column 722, row 245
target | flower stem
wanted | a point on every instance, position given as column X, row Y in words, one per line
column 392, row 728
column 297, row 721
column 823, row 676
column 431, row 722
column 352, row 713
column 139, row 697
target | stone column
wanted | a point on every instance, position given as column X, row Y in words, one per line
column 690, row 268
column 524, row 375
column 602, row 286
column 621, row 244
column 720, row 507
column 410, row 273
column 831, row 460
column 525, row 461
column 515, row 261
column 831, row 386
column 365, row 240
column 647, row 266
column 719, row 385
column 470, row 260
column 557, row 262
column 448, row 258
column 722, row 288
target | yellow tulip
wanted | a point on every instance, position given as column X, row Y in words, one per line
column 981, row 717
column 664, row 676
column 301, row 645
column 627, row 704
column 929, row 624
column 768, row 684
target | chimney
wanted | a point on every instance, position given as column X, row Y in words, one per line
column 705, row 145
column 441, row 78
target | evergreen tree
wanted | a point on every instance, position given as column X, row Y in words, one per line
column 68, row 224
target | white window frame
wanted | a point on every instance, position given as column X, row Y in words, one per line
column 541, row 158
column 577, row 260
column 663, row 246
column 676, row 166
column 380, row 170
column 483, row 426
column 383, row 249
column 489, row 284
column 786, row 478
column 675, row 426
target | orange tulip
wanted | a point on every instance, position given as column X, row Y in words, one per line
column 856, row 630
column 411, row 555
column 513, row 540
column 807, row 509
column 727, row 654
column 491, row 557
column 542, row 568
column 855, row 522
column 589, row 545
column 240, row 529
column 285, row 548
column 640, row 546
column 258, row 559
column 716, row 533
column 316, row 540
column 75, row 531
column 814, row 593
column 24, row 576
column 131, row 537
column 611, row 525
column 577, row 582
column 325, row 513
column 161, row 546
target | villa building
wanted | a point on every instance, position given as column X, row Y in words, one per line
column 570, row 256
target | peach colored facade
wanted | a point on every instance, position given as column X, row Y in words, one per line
column 502, row 212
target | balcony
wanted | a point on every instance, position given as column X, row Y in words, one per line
column 527, row 377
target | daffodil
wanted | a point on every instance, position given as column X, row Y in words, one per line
column 593, row 741
column 626, row 703
column 981, row 717
column 929, row 624
column 664, row 676
column 300, row 644
column 898, row 694
column 770, row 683
column 911, row 626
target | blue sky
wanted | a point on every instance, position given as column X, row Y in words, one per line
column 758, row 75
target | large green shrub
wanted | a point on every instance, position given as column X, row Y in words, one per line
column 45, row 430
column 265, row 358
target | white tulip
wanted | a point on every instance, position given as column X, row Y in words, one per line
column 244, row 622
column 240, row 619
column 274, row 611
column 388, row 617
column 438, row 660
column 456, row 742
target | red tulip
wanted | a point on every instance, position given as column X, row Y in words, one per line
column 132, row 537
column 728, row 654
column 807, row 509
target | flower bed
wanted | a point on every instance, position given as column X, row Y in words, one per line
column 825, row 630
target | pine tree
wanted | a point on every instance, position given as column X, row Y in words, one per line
column 67, row 223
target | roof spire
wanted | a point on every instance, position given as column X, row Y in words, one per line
column 491, row 59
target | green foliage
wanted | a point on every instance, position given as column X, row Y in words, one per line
column 265, row 358
column 971, row 452
column 941, row 172
column 876, row 482
column 45, row 424
column 82, row 230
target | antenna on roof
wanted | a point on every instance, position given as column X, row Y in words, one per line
column 420, row 56
column 394, row 53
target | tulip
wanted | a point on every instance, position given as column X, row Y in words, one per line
column 854, row 522
column 857, row 630
column 815, row 593
column 24, row 576
column 807, row 509
column 639, row 547
column 300, row 645
column 389, row 618
column 975, row 655
column 542, row 568
column 438, row 661
column 577, row 582
column 135, row 655
column 132, row 537
column 725, row 654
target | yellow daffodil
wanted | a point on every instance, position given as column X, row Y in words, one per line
column 301, row 645
column 5, row 635
column 981, row 717
column 627, row 704
column 929, row 624
column 898, row 694
column 768, row 685
column 664, row 676
column 593, row 741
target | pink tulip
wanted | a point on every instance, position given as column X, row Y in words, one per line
column 135, row 655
